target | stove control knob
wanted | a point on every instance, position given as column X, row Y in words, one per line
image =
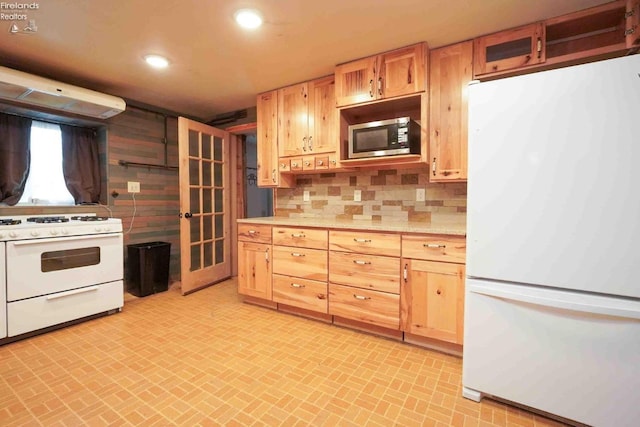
column 98, row 229
column 107, row 229
column 13, row 234
column 35, row 233
column 1, row 235
column 54, row 232
column 64, row 231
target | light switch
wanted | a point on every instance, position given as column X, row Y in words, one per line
column 357, row 195
column 305, row 196
column 420, row 194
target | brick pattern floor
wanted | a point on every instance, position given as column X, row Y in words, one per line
column 208, row 359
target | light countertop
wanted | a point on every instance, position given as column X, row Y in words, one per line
column 450, row 228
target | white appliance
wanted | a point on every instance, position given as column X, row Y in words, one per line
column 552, row 309
column 57, row 269
column 25, row 88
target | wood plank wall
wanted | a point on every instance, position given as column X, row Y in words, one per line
column 139, row 136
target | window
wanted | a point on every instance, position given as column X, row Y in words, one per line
column 45, row 184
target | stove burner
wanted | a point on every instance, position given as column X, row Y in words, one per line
column 9, row 221
column 89, row 218
column 47, row 219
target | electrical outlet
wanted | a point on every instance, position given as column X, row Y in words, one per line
column 133, row 186
column 357, row 196
column 420, row 194
column 305, row 196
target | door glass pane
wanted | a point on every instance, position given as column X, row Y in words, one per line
column 206, row 146
column 194, row 200
column 509, row 49
column 194, row 227
column 219, row 226
column 218, row 196
column 206, row 201
column 194, row 172
column 195, row 257
column 207, row 227
column 217, row 171
column 217, row 148
column 219, row 251
column 206, row 173
column 193, row 143
column 208, row 254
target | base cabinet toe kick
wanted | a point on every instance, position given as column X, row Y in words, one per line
column 405, row 286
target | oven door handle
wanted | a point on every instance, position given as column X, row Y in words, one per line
column 64, row 239
column 73, row 292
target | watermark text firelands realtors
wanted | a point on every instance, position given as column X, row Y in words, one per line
column 16, row 11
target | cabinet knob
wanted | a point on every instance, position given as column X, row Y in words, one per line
column 438, row 292
column 320, row 162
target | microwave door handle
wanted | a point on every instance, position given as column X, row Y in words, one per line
column 65, row 239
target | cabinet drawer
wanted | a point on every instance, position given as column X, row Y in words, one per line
column 308, row 163
column 300, row 262
column 300, row 237
column 254, row 233
column 435, row 248
column 295, row 164
column 376, row 308
column 379, row 273
column 365, row 242
column 303, row 293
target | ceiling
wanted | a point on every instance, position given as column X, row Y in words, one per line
column 215, row 66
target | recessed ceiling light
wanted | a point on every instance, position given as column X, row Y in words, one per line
column 248, row 18
column 157, row 61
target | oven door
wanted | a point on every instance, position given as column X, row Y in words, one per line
column 45, row 266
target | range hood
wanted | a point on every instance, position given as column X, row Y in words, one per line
column 24, row 88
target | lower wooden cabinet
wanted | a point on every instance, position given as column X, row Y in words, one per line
column 372, row 307
column 254, row 269
column 402, row 285
column 433, row 299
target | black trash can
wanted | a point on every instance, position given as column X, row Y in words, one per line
column 148, row 268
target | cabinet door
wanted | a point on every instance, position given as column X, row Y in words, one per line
column 267, row 139
column 254, row 270
column 323, row 116
column 355, row 81
column 509, row 50
column 401, row 72
column 433, row 299
column 632, row 31
column 293, row 113
column 450, row 73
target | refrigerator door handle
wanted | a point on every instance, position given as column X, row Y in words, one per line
column 562, row 300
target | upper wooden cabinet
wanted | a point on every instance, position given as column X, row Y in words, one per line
column 599, row 32
column 511, row 49
column 307, row 118
column 390, row 74
column 450, row 71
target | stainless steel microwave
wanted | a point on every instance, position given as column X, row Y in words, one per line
column 384, row 138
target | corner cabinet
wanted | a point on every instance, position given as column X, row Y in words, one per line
column 387, row 75
column 432, row 303
column 254, row 261
column 450, row 71
column 267, row 142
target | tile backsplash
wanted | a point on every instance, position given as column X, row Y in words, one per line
column 386, row 195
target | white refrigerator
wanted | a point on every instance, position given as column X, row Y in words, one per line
column 552, row 308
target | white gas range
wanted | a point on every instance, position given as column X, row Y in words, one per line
column 58, row 269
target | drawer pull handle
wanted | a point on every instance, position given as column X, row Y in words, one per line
column 297, row 286
column 73, row 292
column 298, row 235
column 434, row 245
column 362, row 240
column 253, row 232
column 361, row 297
column 359, row 262
column 296, row 254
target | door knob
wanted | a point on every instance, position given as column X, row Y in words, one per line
column 188, row 215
